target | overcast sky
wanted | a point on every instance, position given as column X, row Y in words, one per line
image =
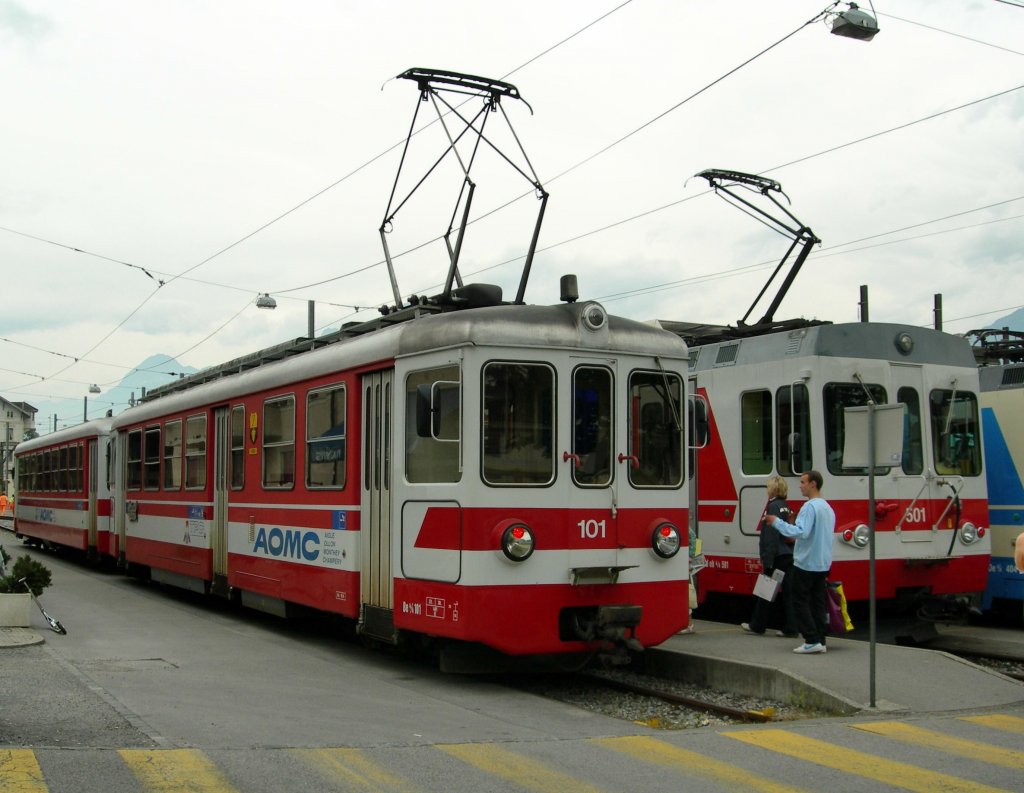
column 247, row 145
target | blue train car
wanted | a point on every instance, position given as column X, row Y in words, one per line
column 1002, row 400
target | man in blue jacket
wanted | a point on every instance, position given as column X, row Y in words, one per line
column 812, row 559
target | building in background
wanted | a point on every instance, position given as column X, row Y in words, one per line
column 17, row 421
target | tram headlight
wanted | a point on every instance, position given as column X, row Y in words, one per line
column 665, row 540
column 517, row 542
column 857, row 537
column 969, row 533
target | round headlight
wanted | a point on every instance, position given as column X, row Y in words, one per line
column 904, row 343
column 861, row 534
column 517, row 542
column 665, row 540
column 968, row 533
column 594, row 316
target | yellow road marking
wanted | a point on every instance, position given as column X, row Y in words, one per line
column 851, row 761
column 355, row 767
column 997, row 722
column 519, row 769
column 653, row 750
column 176, row 771
column 975, row 750
column 20, row 772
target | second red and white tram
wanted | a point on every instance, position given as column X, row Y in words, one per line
column 776, row 405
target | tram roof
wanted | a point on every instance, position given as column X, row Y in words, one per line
column 560, row 326
column 87, row 429
column 870, row 340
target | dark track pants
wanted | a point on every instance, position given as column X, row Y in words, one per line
column 809, row 603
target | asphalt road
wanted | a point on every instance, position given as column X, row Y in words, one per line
column 155, row 690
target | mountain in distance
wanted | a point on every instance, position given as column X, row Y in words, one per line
column 156, row 370
column 1014, row 321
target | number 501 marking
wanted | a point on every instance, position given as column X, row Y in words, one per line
column 591, row 529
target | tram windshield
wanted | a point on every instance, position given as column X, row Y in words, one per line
column 655, row 429
column 955, row 435
column 518, row 411
column 592, row 426
column 838, row 397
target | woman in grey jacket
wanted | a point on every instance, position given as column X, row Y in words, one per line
column 776, row 553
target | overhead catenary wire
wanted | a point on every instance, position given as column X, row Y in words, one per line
column 182, row 275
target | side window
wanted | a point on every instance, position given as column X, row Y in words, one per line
column 756, row 432
column 237, row 447
column 195, row 452
column 151, row 459
column 279, row 443
column 955, row 436
column 793, row 436
column 172, row 455
column 655, row 429
column 518, row 424
column 433, row 422
column 838, row 397
column 133, row 461
column 62, row 469
column 325, row 438
column 592, row 426
column 74, row 469
column 913, row 451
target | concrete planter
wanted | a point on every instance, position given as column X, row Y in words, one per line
column 15, row 610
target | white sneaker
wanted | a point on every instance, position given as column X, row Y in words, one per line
column 807, row 649
column 745, row 627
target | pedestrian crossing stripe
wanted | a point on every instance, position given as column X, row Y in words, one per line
column 355, row 766
column 997, row 722
column 950, row 744
column 176, row 771
column 852, row 761
column 526, row 772
column 20, row 772
column 667, row 755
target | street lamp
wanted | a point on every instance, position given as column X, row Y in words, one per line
column 855, row 23
column 265, row 301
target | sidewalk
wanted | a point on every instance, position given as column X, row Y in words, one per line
column 906, row 678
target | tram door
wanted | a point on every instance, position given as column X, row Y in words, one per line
column 92, row 452
column 375, row 514
column 916, row 490
column 219, row 527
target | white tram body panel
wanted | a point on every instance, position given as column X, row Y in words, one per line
column 776, row 406
column 64, row 497
column 512, row 476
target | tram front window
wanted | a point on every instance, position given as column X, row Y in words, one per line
column 655, row 430
column 518, row 410
column 838, row 397
column 955, row 435
column 592, row 426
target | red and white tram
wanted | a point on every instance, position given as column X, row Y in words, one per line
column 776, row 402
column 509, row 475
column 63, row 496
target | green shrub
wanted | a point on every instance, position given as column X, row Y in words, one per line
column 37, row 575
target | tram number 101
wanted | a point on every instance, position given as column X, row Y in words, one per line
column 592, row 529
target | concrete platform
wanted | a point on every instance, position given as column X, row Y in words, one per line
column 19, row 637
column 906, row 678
